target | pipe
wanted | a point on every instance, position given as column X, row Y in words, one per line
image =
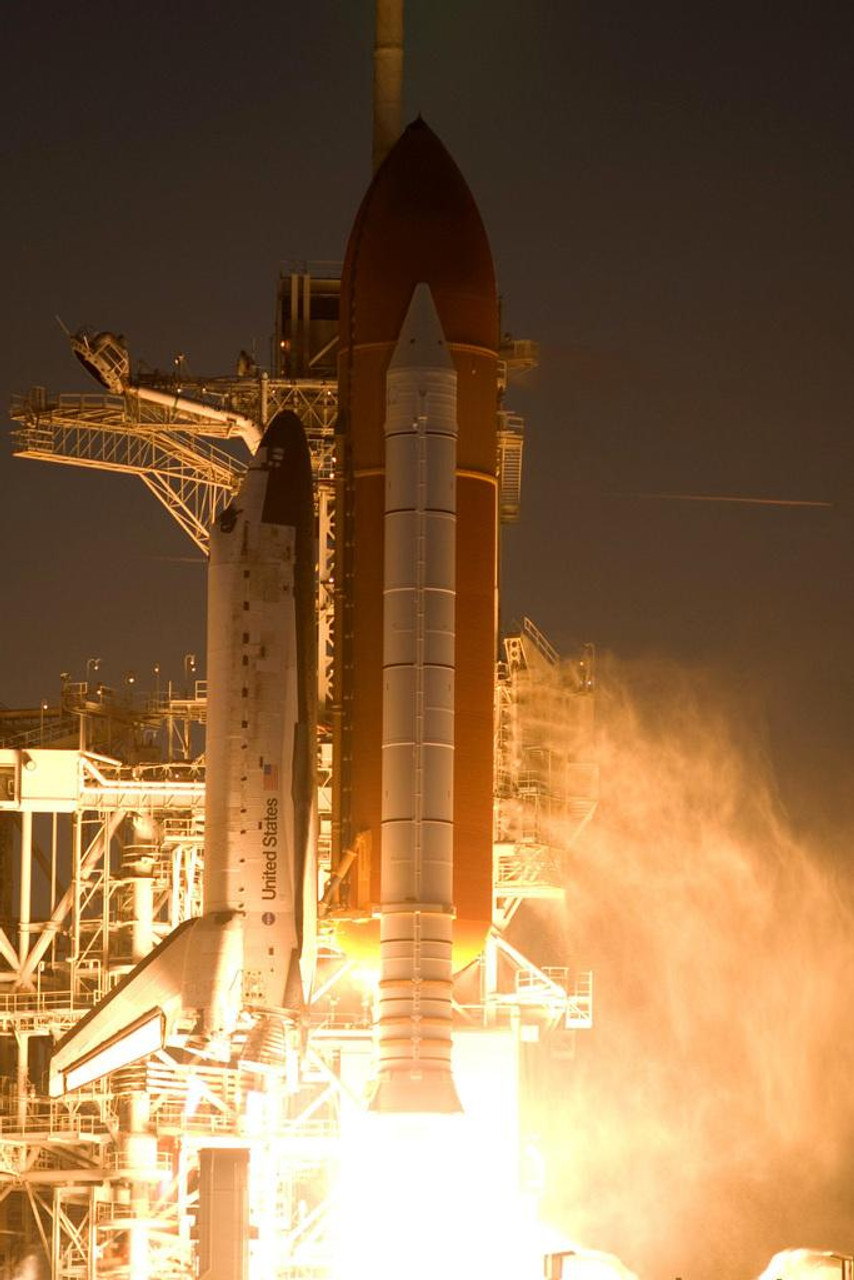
column 22, row 1044
column 25, row 905
column 142, row 929
column 242, row 426
column 334, row 882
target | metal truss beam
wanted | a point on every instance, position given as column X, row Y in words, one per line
column 192, row 478
column 166, row 444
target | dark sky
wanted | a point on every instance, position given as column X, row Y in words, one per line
column 668, row 190
column 669, row 193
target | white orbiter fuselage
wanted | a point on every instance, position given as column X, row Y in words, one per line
column 253, row 950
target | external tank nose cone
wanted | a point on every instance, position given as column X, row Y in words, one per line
column 418, row 222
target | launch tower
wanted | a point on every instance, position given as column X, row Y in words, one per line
column 102, row 797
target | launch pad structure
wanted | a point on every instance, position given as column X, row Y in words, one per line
column 102, row 828
column 145, row 1155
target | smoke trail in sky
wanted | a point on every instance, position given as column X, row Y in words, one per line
column 707, row 1120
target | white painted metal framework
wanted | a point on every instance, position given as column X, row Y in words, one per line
column 167, row 442
column 545, row 784
column 106, row 859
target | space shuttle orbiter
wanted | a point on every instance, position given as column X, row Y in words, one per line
column 253, row 950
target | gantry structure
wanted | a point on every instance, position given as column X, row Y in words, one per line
column 102, row 845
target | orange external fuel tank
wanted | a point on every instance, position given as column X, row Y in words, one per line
column 417, row 223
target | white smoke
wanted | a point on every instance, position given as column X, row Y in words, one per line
column 708, row 1118
column 31, row 1266
column 805, row 1264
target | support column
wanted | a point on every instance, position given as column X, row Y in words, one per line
column 76, row 857
column 54, row 842
column 22, row 1078
column 388, row 78
column 139, row 1162
column 25, row 903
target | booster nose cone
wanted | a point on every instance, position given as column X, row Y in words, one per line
column 421, row 344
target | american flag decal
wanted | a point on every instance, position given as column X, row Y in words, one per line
column 271, row 777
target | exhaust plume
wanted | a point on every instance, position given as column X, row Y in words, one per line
column 707, row 1120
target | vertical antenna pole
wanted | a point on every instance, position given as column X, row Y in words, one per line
column 388, row 78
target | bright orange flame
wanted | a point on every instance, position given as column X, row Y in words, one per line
column 428, row 1196
column 360, row 940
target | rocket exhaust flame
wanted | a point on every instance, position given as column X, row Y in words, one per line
column 421, row 1196
column 435, row 1196
column 443, row 1195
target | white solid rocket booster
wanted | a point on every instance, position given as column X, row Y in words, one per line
column 419, row 587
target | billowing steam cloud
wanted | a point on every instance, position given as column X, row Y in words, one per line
column 31, row 1266
column 707, row 1120
column 804, row 1264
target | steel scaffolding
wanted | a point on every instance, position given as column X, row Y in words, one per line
column 104, row 1180
column 101, row 842
column 546, row 786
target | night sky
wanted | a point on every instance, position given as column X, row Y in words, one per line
column 668, row 191
column 669, row 195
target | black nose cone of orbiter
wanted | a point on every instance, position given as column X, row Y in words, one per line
column 285, row 457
